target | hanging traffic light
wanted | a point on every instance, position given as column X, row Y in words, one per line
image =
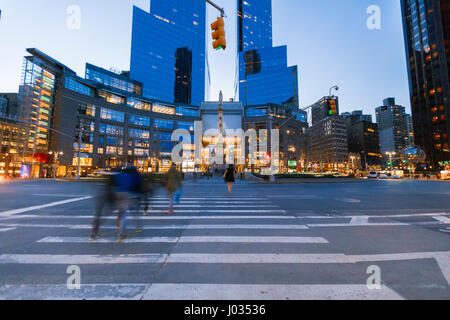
column 333, row 108
column 219, row 34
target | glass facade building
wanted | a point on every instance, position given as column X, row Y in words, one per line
column 264, row 76
column 168, row 51
column 3, row 105
column 391, row 120
column 427, row 40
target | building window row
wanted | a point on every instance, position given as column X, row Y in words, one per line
column 108, row 114
column 73, row 85
column 139, row 120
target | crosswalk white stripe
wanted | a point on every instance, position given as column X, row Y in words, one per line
column 81, row 259
column 202, row 292
column 187, row 239
column 442, row 219
column 362, row 220
column 123, row 291
column 442, row 258
column 198, row 292
column 52, row 204
column 224, row 205
column 181, row 217
column 258, row 258
column 350, row 216
column 215, row 198
column 166, row 217
column 234, row 258
column 211, row 202
column 162, row 227
column 371, row 224
column 58, row 195
column 216, row 211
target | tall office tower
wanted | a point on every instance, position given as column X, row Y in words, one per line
column 427, row 38
column 391, row 120
column 42, row 76
column 168, row 51
column 264, row 76
column 410, row 130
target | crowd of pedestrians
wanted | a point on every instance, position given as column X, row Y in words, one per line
column 129, row 193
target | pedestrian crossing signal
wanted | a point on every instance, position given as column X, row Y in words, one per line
column 219, row 34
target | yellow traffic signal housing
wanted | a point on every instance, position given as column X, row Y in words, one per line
column 333, row 108
column 219, row 34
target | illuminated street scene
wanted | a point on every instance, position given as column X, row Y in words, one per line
column 245, row 150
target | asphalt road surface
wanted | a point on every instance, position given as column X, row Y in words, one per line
column 374, row 240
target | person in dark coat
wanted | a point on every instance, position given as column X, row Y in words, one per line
column 105, row 198
column 173, row 184
column 229, row 178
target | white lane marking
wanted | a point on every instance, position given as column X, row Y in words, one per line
column 6, row 229
column 342, row 216
column 348, row 200
column 224, row 205
column 258, row 258
column 442, row 258
column 58, row 195
column 413, row 215
column 197, row 292
column 300, row 197
column 114, row 217
column 48, row 205
column 372, row 224
column 215, row 211
column 108, row 240
column 125, row 291
column 210, row 202
column 361, row 220
column 181, row 217
column 215, row 198
column 81, row 259
column 162, row 227
column 442, row 219
column 186, row 239
column 202, row 292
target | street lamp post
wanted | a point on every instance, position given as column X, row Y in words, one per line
column 353, row 163
column 390, row 154
column 79, row 153
column 331, row 89
column 57, row 154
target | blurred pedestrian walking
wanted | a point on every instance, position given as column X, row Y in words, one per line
column 173, row 184
column 148, row 190
column 229, row 178
column 106, row 198
column 128, row 185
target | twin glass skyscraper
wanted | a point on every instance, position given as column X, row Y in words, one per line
column 169, row 54
column 168, row 51
column 264, row 76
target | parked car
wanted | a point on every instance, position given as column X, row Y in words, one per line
column 384, row 176
column 372, row 175
column 395, row 176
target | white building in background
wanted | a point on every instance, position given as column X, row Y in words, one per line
column 233, row 116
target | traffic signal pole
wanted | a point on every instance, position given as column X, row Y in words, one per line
column 222, row 11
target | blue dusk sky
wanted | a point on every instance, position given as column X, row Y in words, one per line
column 327, row 39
